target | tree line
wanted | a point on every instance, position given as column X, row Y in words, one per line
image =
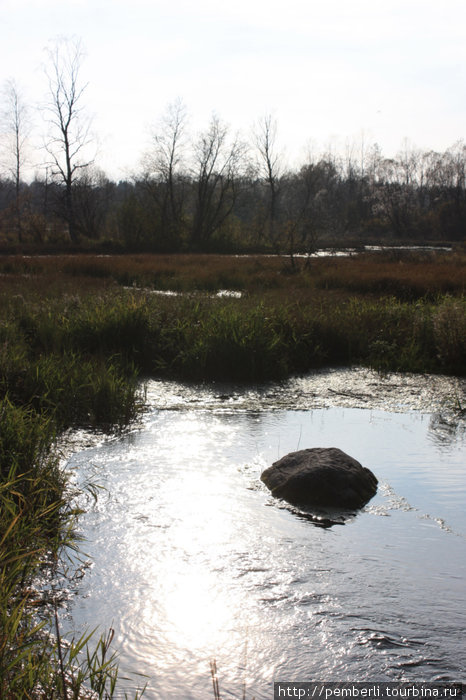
column 215, row 191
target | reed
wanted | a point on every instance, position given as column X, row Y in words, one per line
column 91, row 349
column 51, row 360
column 252, row 340
column 407, row 277
column 449, row 332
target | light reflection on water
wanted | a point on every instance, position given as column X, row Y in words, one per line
column 193, row 560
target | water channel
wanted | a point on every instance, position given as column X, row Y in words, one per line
column 192, row 560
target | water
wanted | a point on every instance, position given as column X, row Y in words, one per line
column 194, row 561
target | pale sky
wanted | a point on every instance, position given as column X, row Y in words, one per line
column 329, row 71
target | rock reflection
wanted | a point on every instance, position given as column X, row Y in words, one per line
column 320, row 521
column 320, row 518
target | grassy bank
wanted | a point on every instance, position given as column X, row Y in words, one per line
column 76, row 333
column 46, row 387
column 36, row 525
column 85, row 337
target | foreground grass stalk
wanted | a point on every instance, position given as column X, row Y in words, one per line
column 215, row 685
column 60, row 655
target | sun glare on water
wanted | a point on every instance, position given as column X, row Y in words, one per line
column 185, row 558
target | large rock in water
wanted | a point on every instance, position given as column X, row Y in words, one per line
column 320, row 476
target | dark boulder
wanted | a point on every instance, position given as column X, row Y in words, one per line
column 322, row 477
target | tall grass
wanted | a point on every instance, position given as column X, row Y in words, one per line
column 47, row 383
column 405, row 276
column 253, row 340
column 51, row 358
column 81, row 359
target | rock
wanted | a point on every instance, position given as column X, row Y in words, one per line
column 323, row 477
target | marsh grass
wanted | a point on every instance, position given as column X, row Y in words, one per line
column 405, row 275
column 82, row 354
column 216, row 683
column 75, row 391
column 449, row 330
column 253, row 340
column 56, row 359
column 47, row 386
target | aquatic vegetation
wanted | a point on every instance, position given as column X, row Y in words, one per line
column 449, row 330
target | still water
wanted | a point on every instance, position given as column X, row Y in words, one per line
column 194, row 561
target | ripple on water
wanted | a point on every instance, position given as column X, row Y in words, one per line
column 327, row 388
column 194, row 560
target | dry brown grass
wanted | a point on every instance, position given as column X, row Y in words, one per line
column 180, row 272
column 407, row 276
column 411, row 277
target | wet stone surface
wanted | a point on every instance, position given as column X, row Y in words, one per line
column 322, row 477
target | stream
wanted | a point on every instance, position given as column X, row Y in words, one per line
column 192, row 560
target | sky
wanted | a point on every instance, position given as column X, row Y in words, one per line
column 334, row 74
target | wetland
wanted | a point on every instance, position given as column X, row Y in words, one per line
column 174, row 405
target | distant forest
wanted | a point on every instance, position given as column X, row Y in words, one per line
column 214, row 191
column 221, row 206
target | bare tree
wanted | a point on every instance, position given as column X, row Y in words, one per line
column 217, row 166
column 163, row 170
column 16, row 124
column 92, row 196
column 69, row 128
column 270, row 169
column 310, row 208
